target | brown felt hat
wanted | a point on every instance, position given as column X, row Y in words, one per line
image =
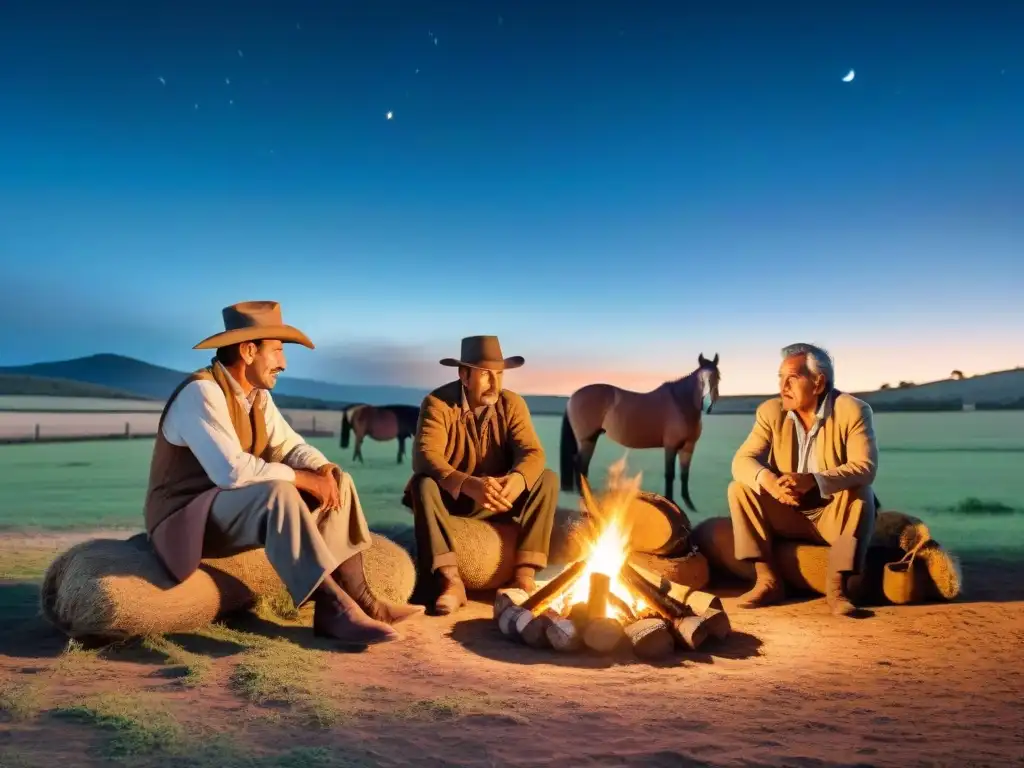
column 483, row 352
column 253, row 321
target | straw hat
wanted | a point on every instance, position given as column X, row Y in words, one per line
column 483, row 352
column 253, row 321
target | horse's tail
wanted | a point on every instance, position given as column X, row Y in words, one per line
column 568, row 451
column 346, row 429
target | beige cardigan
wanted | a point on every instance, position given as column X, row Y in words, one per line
column 846, row 449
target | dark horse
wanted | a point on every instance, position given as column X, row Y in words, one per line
column 381, row 422
column 668, row 417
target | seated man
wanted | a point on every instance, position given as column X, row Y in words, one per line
column 805, row 472
column 226, row 476
column 477, row 455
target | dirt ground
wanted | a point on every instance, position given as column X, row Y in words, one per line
column 792, row 686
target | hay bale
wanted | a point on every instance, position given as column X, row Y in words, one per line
column 114, row 589
column 713, row 539
column 943, row 568
column 897, row 530
column 657, row 525
column 485, row 552
column 692, row 570
column 805, row 566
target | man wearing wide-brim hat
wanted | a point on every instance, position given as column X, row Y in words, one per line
column 476, row 454
column 229, row 474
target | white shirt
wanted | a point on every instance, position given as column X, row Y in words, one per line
column 199, row 419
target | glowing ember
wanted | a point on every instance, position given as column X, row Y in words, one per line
column 608, row 552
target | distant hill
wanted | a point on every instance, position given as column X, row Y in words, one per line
column 154, row 381
column 132, row 378
column 117, row 376
column 997, row 390
column 14, row 384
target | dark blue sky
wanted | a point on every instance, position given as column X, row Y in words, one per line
column 612, row 187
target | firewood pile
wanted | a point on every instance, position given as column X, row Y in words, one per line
column 602, row 602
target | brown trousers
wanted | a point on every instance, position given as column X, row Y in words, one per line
column 533, row 511
column 845, row 521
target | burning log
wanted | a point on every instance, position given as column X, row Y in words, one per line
column 623, row 607
column 579, row 615
column 533, row 629
column 717, row 622
column 691, row 631
column 597, row 602
column 664, row 605
column 603, row 635
column 701, row 602
column 546, row 595
column 651, row 638
column 697, row 601
column 694, row 630
column 506, row 598
column 564, row 636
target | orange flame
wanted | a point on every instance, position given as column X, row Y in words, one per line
column 608, row 550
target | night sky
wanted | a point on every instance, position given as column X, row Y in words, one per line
column 611, row 187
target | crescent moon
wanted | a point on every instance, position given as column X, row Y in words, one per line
column 849, row 76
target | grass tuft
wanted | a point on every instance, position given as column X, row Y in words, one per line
column 21, row 701
column 279, row 672
column 277, row 607
column 195, row 669
column 975, row 506
column 139, row 727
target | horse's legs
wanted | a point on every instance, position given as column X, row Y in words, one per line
column 583, row 457
column 685, row 453
column 401, row 448
column 670, row 471
column 358, row 455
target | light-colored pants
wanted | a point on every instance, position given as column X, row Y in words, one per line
column 303, row 546
column 846, row 522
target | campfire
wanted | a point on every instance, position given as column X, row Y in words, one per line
column 602, row 601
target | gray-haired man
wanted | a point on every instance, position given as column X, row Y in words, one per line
column 805, row 472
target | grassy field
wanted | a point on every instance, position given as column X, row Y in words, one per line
column 931, row 465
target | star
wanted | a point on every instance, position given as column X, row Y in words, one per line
column 389, row 115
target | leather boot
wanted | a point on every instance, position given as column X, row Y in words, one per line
column 524, row 579
column 835, row 594
column 337, row 616
column 768, row 589
column 349, row 576
column 453, row 591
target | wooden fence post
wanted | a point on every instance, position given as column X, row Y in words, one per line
column 314, row 423
column 37, row 430
column 127, row 430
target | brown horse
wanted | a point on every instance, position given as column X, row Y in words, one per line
column 382, row 423
column 668, row 417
